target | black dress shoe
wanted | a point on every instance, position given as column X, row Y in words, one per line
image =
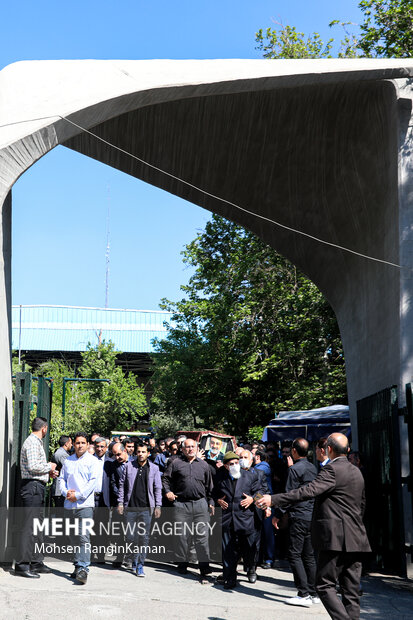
column 75, row 572
column 220, row 579
column 27, row 573
column 252, row 576
column 182, row 569
column 41, row 569
column 230, row 585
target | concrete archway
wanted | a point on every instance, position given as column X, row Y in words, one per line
column 320, row 146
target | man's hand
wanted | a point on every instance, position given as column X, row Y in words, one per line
column 290, row 461
column 171, row 496
column 222, row 503
column 267, row 513
column 52, row 466
column 71, row 495
column 54, row 474
column 120, row 509
column 263, row 502
column 219, row 464
column 201, row 454
column 211, row 509
column 275, row 521
column 157, row 512
column 247, row 501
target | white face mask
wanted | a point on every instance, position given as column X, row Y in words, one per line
column 235, row 470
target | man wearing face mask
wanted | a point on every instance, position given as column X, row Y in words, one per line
column 234, row 492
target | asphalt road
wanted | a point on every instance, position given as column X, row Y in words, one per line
column 164, row 594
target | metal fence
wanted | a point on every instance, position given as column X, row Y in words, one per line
column 379, row 444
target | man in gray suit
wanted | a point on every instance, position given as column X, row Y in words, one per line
column 338, row 534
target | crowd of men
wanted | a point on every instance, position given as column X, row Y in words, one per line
column 256, row 489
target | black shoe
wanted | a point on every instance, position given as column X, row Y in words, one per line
column 205, row 569
column 41, row 569
column 182, row 569
column 220, row 579
column 252, row 576
column 116, row 564
column 75, row 572
column 81, row 576
column 203, row 580
column 26, row 573
column 230, row 585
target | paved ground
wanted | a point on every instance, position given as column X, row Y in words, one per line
column 163, row 594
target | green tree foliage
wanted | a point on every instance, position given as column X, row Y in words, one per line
column 288, row 42
column 115, row 406
column 252, row 336
column 94, row 406
column 255, row 433
column 387, row 30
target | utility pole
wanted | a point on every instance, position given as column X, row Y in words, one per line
column 107, row 254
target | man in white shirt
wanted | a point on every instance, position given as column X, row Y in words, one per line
column 78, row 483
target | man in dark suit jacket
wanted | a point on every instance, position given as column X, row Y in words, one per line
column 338, row 533
column 233, row 492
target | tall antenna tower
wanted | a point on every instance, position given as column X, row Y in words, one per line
column 107, row 253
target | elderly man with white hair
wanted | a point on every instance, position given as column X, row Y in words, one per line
column 234, row 492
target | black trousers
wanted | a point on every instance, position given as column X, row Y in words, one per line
column 301, row 557
column 333, row 566
column 235, row 544
column 29, row 553
column 192, row 519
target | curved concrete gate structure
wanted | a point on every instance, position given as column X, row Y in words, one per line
column 321, row 146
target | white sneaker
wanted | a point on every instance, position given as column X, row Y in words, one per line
column 301, row 601
column 315, row 600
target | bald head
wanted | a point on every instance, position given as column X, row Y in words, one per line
column 246, row 459
column 300, row 445
column 338, row 444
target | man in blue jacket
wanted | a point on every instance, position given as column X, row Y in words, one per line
column 140, row 492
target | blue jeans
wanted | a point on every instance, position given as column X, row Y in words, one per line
column 138, row 523
column 81, row 542
column 268, row 540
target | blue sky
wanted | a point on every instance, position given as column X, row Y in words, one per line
column 60, row 205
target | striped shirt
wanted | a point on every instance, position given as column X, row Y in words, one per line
column 33, row 464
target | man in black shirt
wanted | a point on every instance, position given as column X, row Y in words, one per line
column 140, row 490
column 300, row 552
column 187, row 482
